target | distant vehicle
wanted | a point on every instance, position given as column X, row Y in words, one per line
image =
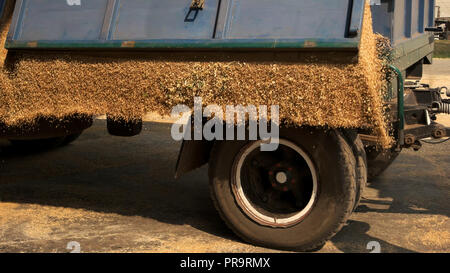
column 444, row 24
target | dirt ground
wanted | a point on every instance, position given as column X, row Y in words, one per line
column 110, row 194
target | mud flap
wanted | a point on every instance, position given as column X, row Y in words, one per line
column 193, row 155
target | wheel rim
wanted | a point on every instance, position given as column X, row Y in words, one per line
column 276, row 189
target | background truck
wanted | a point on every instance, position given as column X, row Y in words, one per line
column 442, row 22
column 301, row 195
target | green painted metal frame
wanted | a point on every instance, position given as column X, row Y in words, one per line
column 189, row 44
column 411, row 51
column 400, row 106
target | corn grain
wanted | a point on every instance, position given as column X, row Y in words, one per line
column 309, row 91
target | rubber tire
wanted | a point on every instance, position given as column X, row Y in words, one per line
column 379, row 160
column 335, row 164
column 361, row 169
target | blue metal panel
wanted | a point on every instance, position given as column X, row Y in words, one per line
column 408, row 18
column 402, row 20
column 2, row 6
column 398, row 22
column 243, row 19
column 431, row 13
column 59, row 20
column 166, row 24
column 415, row 18
column 357, row 14
column 168, row 19
column 421, row 25
column 382, row 17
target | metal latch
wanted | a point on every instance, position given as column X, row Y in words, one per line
column 197, row 4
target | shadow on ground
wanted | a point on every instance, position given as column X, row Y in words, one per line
column 126, row 176
column 417, row 183
column 134, row 177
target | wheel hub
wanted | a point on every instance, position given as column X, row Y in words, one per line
column 281, row 177
column 276, row 189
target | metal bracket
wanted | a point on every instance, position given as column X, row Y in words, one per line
column 434, row 29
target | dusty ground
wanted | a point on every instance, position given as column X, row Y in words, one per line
column 112, row 194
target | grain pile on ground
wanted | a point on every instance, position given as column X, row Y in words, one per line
column 317, row 90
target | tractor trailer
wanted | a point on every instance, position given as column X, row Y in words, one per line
column 300, row 195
